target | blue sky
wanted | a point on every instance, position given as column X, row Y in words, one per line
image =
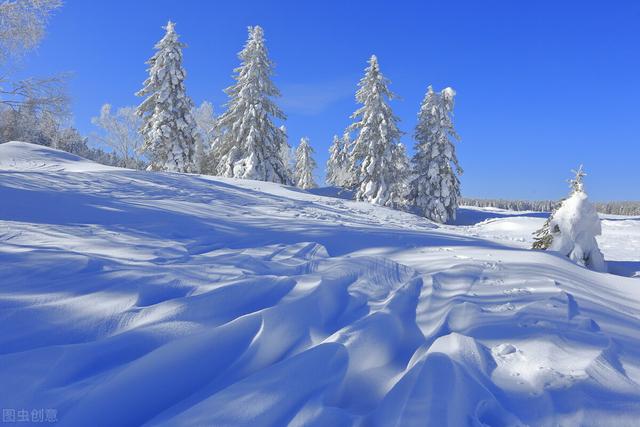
column 542, row 85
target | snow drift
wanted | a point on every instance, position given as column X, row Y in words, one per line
column 137, row 298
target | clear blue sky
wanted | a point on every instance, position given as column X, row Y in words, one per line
column 542, row 85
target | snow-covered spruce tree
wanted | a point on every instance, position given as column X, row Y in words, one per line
column 372, row 156
column 168, row 128
column 305, row 165
column 572, row 228
column 250, row 144
column 435, row 188
column 338, row 163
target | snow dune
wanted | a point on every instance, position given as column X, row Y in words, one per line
column 135, row 298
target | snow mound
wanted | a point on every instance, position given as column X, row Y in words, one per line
column 23, row 156
column 139, row 298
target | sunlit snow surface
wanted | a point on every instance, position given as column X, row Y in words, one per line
column 131, row 298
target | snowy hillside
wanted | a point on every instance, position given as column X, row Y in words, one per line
column 131, row 298
column 20, row 156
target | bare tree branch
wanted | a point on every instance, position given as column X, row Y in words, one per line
column 22, row 24
column 37, row 94
column 120, row 132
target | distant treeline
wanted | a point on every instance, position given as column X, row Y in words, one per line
column 613, row 208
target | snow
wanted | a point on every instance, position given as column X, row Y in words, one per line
column 131, row 297
column 619, row 241
column 448, row 92
column 21, row 156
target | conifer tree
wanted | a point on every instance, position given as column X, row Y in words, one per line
column 572, row 228
column 338, row 163
column 168, row 128
column 371, row 158
column 435, row 187
column 305, row 165
column 250, row 144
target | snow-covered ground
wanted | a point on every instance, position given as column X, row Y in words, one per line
column 131, row 298
column 620, row 239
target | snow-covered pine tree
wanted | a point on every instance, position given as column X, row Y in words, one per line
column 572, row 228
column 250, row 144
column 305, row 165
column 338, row 163
column 168, row 128
column 435, row 188
column 371, row 159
